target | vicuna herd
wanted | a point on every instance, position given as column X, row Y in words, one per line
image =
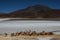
column 30, row 33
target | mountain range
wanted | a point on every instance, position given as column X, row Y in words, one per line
column 36, row 11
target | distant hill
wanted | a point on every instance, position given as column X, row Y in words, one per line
column 36, row 11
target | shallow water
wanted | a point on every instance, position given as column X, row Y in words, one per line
column 34, row 25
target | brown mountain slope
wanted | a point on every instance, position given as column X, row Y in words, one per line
column 36, row 11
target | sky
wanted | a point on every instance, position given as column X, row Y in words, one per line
column 8, row 6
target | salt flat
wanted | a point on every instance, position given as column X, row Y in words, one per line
column 7, row 25
column 23, row 25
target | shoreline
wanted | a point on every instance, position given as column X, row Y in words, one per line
column 46, row 19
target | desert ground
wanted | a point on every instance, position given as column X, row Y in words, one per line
column 48, row 37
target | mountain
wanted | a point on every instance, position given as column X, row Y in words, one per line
column 32, row 12
column 36, row 11
column 4, row 15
